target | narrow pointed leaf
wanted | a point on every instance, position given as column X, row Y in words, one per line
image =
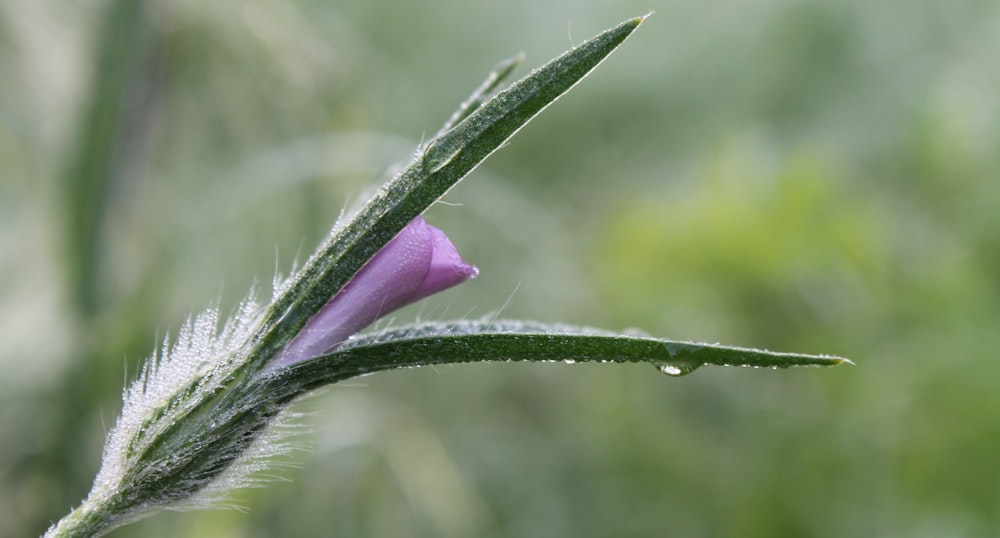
column 499, row 73
column 445, row 161
column 461, row 342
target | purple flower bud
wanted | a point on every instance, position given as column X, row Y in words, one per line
column 418, row 262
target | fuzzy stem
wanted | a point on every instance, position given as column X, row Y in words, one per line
column 88, row 519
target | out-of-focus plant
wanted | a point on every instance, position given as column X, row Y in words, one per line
column 207, row 411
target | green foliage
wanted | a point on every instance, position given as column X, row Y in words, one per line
column 204, row 415
column 513, row 341
column 816, row 176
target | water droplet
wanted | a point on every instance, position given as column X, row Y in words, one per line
column 677, row 369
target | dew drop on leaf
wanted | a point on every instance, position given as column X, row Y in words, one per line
column 677, row 369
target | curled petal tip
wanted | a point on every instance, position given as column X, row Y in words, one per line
column 446, row 269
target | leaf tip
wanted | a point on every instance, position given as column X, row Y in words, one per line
column 505, row 67
column 628, row 26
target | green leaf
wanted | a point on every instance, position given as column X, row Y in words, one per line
column 499, row 73
column 115, row 119
column 445, row 160
column 503, row 341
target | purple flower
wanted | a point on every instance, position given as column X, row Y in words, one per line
column 418, row 262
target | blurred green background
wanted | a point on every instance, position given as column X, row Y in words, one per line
column 797, row 175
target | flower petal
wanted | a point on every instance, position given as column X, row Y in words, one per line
column 447, row 268
column 418, row 262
